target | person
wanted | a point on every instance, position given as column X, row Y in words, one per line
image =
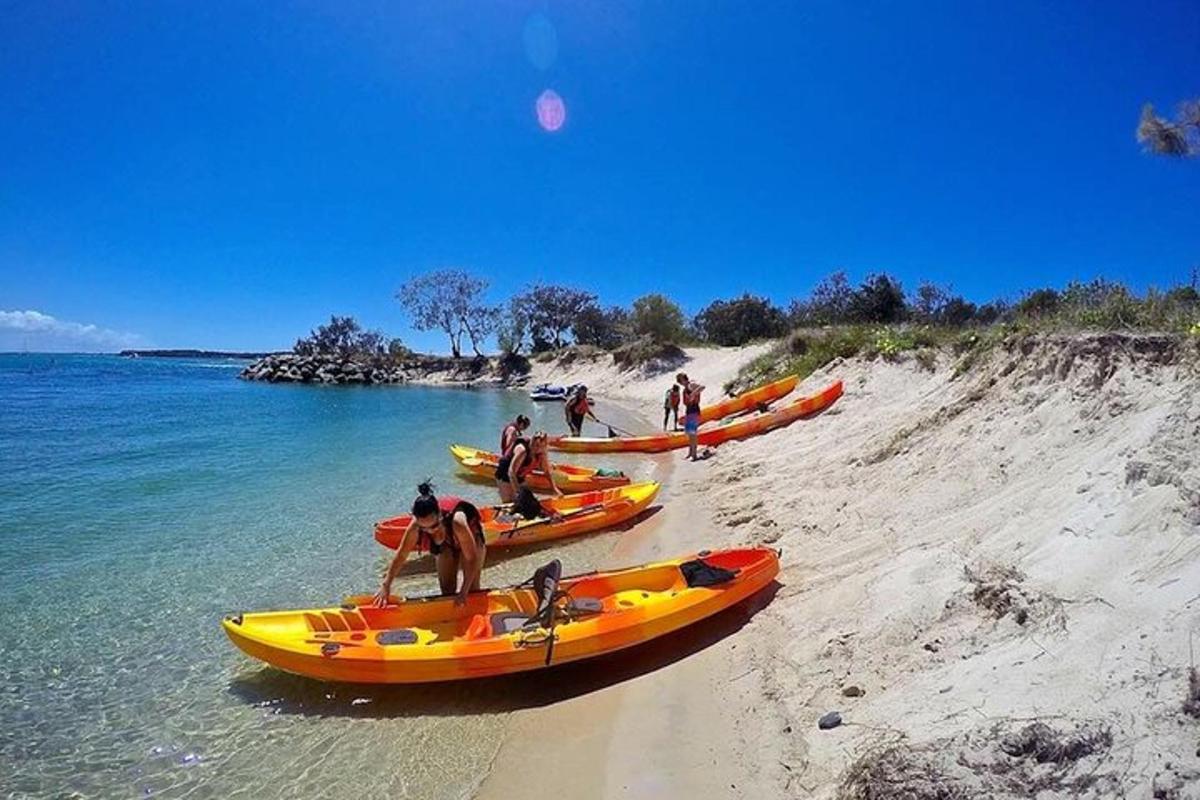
column 671, row 406
column 451, row 529
column 512, row 431
column 524, row 457
column 691, row 411
column 577, row 407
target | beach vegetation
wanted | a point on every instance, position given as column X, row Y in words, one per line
column 732, row 323
column 344, row 338
column 603, row 328
column 1178, row 137
column 450, row 300
column 660, row 318
column 549, row 313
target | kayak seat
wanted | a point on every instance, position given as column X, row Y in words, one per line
column 397, row 636
column 503, row 622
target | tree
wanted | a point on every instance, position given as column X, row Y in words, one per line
column 606, row 329
column 734, row 322
column 880, row 298
column 449, row 300
column 1179, row 137
column 1039, row 302
column 551, row 311
column 828, row 304
column 658, row 317
column 929, row 301
column 343, row 338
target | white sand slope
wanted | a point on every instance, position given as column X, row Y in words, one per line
column 1016, row 545
column 711, row 366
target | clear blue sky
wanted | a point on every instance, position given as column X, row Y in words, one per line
column 228, row 174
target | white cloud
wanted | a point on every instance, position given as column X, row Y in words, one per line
column 33, row 330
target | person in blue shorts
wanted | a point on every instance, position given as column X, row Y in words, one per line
column 691, row 412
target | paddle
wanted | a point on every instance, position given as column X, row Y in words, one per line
column 612, row 428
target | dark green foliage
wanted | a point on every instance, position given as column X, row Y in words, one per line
column 828, row 304
column 344, row 338
column 880, row 298
column 550, row 311
column 1039, row 303
column 741, row 320
column 658, row 317
column 605, row 329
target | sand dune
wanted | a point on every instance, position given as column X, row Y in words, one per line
column 1018, row 545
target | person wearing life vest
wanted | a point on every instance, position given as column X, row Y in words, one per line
column 671, row 406
column 452, row 530
column 525, row 456
column 691, row 411
column 511, row 431
column 577, row 407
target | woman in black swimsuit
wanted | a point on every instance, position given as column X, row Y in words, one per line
column 452, row 530
column 523, row 457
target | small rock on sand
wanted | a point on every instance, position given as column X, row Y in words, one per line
column 830, row 720
column 853, row 691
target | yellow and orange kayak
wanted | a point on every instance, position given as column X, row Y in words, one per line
column 503, row 631
column 480, row 464
column 735, row 428
column 577, row 513
column 767, row 393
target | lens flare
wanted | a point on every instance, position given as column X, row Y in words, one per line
column 551, row 111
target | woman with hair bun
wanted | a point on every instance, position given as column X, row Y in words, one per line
column 451, row 529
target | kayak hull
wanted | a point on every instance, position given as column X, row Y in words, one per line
column 431, row 640
column 480, row 465
column 747, row 401
column 738, row 428
column 581, row 513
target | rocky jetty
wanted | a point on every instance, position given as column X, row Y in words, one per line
column 334, row 369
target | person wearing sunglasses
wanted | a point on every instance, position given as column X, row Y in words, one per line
column 451, row 529
column 524, row 456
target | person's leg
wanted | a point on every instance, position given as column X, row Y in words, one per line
column 482, row 561
column 447, row 571
column 666, row 416
column 506, row 491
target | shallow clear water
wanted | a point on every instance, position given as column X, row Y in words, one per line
column 140, row 500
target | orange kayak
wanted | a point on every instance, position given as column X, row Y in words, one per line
column 578, row 513
column 736, row 428
column 767, row 393
column 501, row 631
column 569, row 478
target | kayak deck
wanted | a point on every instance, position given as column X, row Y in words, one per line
column 496, row 632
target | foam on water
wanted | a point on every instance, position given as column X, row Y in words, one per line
column 140, row 500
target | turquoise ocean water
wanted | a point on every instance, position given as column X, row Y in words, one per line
column 140, row 500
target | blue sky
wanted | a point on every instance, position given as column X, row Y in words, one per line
column 229, row 174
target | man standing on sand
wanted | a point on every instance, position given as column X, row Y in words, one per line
column 691, row 411
column 671, row 406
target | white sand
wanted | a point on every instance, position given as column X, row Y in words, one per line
column 1072, row 463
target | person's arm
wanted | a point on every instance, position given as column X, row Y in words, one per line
column 406, row 546
column 471, row 562
column 550, row 474
column 589, row 411
column 514, row 466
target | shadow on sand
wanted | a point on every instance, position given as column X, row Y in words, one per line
column 290, row 694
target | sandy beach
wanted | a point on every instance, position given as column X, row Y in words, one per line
column 963, row 556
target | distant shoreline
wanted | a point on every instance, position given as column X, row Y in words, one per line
column 246, row 356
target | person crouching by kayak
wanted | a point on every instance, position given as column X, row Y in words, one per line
column 579, row 406
column 512, row 431
column 523, row 457
column 671, row 406
column 691, row 411
column 452, row 530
